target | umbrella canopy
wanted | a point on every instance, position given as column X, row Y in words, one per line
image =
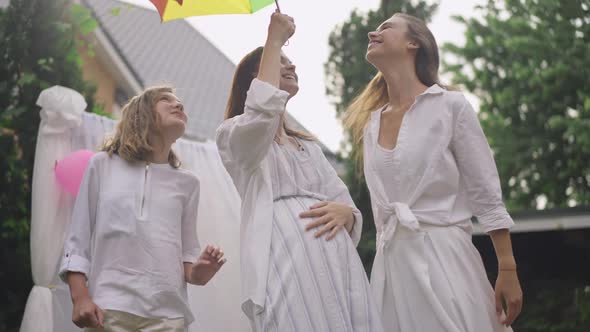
column 175, row 9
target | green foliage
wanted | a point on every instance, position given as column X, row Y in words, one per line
column 556, row 308
column 39, row 44
column 99, row 109
column 529, row 61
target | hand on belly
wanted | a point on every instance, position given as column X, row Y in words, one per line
column 330, row 218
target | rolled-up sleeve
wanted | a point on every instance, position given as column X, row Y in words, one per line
column 76, row 256
column 478, row 170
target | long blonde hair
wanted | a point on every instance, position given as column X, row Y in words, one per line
column 139, row 120
column 375, row 93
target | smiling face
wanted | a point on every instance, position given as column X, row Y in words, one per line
column 171, row 116
column 404, row 41
column 390, row 42
column 289, row 79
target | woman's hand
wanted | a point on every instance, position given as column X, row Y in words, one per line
column 508, row 291
column 280, row 29
column 507, row 285
column 333, row 216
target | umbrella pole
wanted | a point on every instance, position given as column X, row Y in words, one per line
column 279, row 9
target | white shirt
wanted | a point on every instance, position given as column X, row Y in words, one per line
column 133, row 226
column 442, row 171
column 244, row 144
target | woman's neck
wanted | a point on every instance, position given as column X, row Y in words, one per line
column 403, row 86
column 281, row 129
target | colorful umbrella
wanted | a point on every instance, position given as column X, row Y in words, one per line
column 174, row 9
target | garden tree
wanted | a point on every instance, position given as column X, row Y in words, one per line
column 39, row 43
column 347, row 73
column 528, row 61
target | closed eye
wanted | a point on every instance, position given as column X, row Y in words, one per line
column 285, row 61
column 384, row 26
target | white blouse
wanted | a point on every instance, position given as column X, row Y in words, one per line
column 133, row 226
column 441, row 172
column 244, row 144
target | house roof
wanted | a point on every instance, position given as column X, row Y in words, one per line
column 175, row 53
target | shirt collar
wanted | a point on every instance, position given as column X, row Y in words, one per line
column 431, row 90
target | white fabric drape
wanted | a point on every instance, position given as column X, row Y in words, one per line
column 65, row 127
column 61, row 112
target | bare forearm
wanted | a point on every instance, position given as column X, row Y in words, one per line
column 77, row 283
column 188, row 267
column 349, row 226
column 190, row 276
column 270, row 64
column 503, row 248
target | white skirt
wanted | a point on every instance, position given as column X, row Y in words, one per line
column 313, row 284
column 435, row 281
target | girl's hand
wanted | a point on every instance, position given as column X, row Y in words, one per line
column 334, row 216
column 210, row 261
column 87, row 314
column 280, row 29
column 508, row 290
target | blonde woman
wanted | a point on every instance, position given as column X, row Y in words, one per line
column 429, row 169
column 132, row 243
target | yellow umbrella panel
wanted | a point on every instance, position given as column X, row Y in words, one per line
column 174, row 9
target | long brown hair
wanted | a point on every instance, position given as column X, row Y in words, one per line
column 375, row 93
column 245, row 73
column 139, row 120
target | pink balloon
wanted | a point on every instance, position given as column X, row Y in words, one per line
column 70, row 170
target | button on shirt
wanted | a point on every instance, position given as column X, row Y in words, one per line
column 133, row 226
